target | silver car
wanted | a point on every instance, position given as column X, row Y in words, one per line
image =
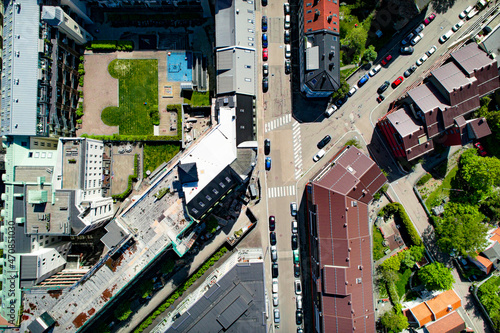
column 276, row 316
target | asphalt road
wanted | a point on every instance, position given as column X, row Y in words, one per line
column 295, row 133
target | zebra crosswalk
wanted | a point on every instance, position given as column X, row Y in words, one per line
column 297, row 149
column 271, row 125
column 281, row 191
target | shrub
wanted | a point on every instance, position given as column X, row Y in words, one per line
column 425, row 178
column 396, row 208
column 111, row 45
column 123, row 311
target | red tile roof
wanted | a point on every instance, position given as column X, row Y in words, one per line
column 321, row 15
column 439, row 304
column 422, row 314
column 340, row 197
column 451, row 323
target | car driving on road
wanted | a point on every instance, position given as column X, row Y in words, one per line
column 268, row 163
column 272, row 223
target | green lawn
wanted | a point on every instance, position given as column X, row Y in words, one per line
column 138, row 85
column 157, row 153
column 442, row 191
column 197, row 98
column 402, row 283
column 378, row 248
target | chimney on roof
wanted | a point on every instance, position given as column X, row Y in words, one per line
column 330, row 55
column 330, row 17
column 450, row 308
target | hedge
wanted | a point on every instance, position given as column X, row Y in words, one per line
column 425, row 178
column 397, row 208
column 111, row 45
column 131, row 179
column 179, row 291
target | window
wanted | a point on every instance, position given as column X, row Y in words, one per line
column 221, row 184
column 250, row 39
column 42, row 144
column 24, row 144
column 309, row 21
column 208, row 197
column 201, row 204
column 35, row 143
column 30, row 154
column 309, row 11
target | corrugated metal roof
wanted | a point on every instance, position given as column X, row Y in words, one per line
column 451, row 77
column 471, row 57
column 235, row 23
column 428, row 98
column 20, row 54
column 29, row 267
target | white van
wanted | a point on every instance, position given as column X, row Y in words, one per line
column 319, row 155
column 299, row 302
column 446, row 36
column 331, row 110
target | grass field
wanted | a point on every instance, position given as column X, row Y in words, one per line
column 378, row 248
column 138, row 85
column 442, row 191
column 402, row 283
column 197, row 98
column 157, row 153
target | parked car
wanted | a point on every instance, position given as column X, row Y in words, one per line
column 341, row 101
column 287, row 37
column 480, row 149
column 422, row 60
column 276, row 316
column 298, row 287
column 446, row 36
column 319, row 155
column 265, row 84
column 296, row 256
column 295, row 242
column 296, row 270
column 386, row 60
column 288, row 51
column 272, row 223
column 264, row 40
column 265, row 69
column 287, row 21
column 430, row 19
column 407, row 50
column 298, row 301
column 275, row 286
column 276, row 300
column 363, row 80
column 264, row 3
column 465, row 12
column 457, row 26
column 417, row 39
column 264, row 23
column 268, row 163
column 374, row 70
column 331, row 110
column 352, row 91
column 267, row 146
column 274, row 270
column 383, row 87
column 272, row 238
column 299, row 317
column 407, row 39
column 397, row 82
column 264, row 55
column 287, row 66
column 472, row 13
column 293, row 208
column 431, row 51
column 295, row 227
column 286, row 8
column 420, row 28
column 410, row 71
column 274, row 253
column 324, row 141
column 380, row 98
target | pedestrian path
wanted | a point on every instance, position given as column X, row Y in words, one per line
column 297, row 149
column 271, row 125
column 281, row 191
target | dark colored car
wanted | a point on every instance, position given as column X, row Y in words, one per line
column 383, row 87
column 480, row 149
column 268, row 163
column 298, row 317
column 267, row 146
column 286, row 8
column 264, row 23
column 265, row 84
column 341, row 101
column 264, row 40
column 272, row 238
column 397, row 82
column 407, row 39
column 324, row 141
column 407, row 50
column 272, row 223
column 265, row 69
column 296, row 270
column 380, row 98
column 287, row 36
column 287, row 66
column 274, row 270
column 386, row 60
column 295, row 242
column 410, row 71
column 264, row 3
column 363, row 80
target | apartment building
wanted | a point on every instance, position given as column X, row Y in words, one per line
column 438, row 111
column 340, row 242
column 319, row 47
column 40, row 57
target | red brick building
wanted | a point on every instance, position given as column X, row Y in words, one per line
column 437, row 110
column 340, row 242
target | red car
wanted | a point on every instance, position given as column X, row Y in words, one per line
column 430, row 18
column 264, row 54
column 480, row 149
column 397, row 82
column 386, row 60
column 380, row 98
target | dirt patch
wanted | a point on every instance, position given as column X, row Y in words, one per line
column 55, row 294
column 80, row 320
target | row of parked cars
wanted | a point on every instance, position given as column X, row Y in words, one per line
column 468, row 13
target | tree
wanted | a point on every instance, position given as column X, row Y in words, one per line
column 355, row 40
column 394, row 321
column 122, row 312
column 168, row 266
column 146, row 288
column 436, row 276
column 393, row 263
column 342, row 90
column 461, row 229
column 479, row 174
column 369, row 55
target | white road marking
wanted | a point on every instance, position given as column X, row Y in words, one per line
column 273, row 124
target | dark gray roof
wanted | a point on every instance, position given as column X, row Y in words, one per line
column 236, row 303
column 36, row 325
column 244, row 118
column 471, row 57
column 188, row 173
column 493, row 253
column 242, row 165
column 427, row 97
column 28, row 267
column 114, row 235
column 326, row 76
